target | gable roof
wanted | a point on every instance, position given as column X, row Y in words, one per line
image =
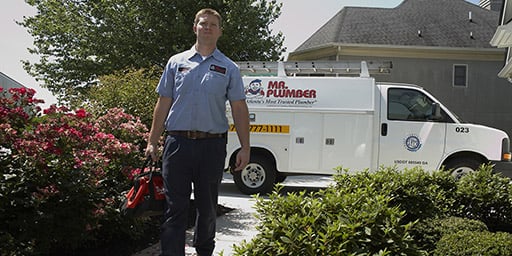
column 442, row 23
column 7, row 82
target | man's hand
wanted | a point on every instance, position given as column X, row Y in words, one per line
column 240, row 115
column 151, row 152
column 242, row 159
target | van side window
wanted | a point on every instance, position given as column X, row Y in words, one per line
column 409, row 105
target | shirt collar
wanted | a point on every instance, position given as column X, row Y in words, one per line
column 193, row 52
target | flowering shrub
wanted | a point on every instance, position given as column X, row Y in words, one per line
column 63, row 174
column 17, row 107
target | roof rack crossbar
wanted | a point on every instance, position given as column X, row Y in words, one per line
column 338, row 68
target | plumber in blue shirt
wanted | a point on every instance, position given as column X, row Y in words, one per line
column 191, row 110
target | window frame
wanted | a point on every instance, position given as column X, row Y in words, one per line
column 455, row 76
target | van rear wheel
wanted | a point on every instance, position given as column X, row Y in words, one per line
column 462, row 166
column 257, row 177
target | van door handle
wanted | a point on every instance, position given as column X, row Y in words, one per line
column 384, row 129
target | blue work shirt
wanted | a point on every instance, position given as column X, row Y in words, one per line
column 199, row 89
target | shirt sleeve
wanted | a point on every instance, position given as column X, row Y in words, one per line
column 236, row 90
column 165, row 86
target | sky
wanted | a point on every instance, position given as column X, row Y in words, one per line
column 298, row 21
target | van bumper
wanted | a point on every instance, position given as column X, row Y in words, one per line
column 503, row 167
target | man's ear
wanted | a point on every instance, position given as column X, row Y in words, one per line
column 194, row 28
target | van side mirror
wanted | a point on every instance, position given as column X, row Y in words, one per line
column 436, row 112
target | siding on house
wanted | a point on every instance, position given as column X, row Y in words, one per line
column 6, row 82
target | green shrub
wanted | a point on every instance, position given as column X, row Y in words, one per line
column 467, row 242
column 62, row 176
column 329, row 222
column 420, row 194
column 427, row 232
column 132, row 90
column 486, row 196
column 377, row 213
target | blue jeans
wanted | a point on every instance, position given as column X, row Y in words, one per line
column 185, row 162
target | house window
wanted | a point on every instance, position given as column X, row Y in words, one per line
column 460, row 75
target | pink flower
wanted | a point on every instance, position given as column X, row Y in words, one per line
column 98, row 212
column 81, row 113
column 49, row 190
column 134, row 173
column 78, row 163
column 31, row 92
column 50, row 110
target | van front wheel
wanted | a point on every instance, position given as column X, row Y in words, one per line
column 462, row 166
column 257, row 177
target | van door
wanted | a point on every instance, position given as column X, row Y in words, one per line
column 409, row 136
column 306, row 142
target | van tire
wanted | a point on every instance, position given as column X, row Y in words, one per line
column 257, row 177
column 459, row 167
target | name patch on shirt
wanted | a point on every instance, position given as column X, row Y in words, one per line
column 218, row 69
column 183, row 69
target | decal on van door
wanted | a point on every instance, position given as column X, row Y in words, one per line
column 411, row 162
column 278, row 93
column 255, row 89
column 412, row 143
column 265, row 128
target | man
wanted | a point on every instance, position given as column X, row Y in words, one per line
column 191, row 108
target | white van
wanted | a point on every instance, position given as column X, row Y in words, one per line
column 311, row 117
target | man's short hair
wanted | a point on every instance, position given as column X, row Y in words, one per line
column 208, row 11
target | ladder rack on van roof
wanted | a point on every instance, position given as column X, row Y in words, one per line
column 314, row 68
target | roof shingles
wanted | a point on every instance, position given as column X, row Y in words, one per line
column 443, row 23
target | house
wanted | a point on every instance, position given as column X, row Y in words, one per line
column 6, row 82
column 441, row 45
column 503, row 38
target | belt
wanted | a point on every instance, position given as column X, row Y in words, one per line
column 195, row 135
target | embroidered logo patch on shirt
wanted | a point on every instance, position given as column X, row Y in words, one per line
column 183, row 69
column 218, row 69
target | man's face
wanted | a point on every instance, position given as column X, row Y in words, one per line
column 207, row 28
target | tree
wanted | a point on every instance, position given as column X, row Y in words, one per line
column 80, row 40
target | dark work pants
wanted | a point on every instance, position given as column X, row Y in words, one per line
column 186, row 161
